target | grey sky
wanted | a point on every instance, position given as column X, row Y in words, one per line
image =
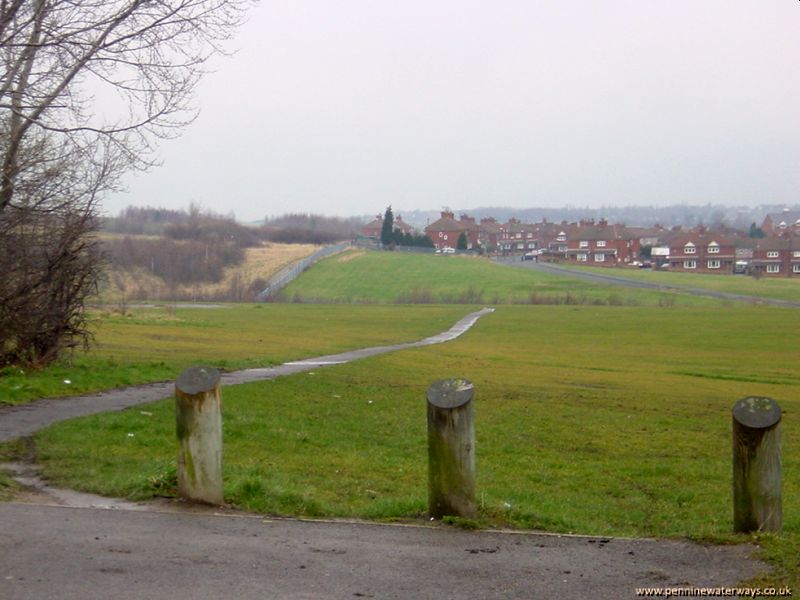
column 344, row 107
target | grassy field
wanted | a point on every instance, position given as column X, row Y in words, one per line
column 600, row 420
column 156, row 344
column 594, row 416
column 392, row 277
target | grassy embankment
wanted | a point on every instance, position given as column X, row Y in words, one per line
column 364, row 277
column 611, row 420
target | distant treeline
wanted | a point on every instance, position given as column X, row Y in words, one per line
column 310, row 229
column 195, row 246
column 195, row 224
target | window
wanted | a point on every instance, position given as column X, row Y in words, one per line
column 519, row 236
column 601, row 243
column 583, row 244
column 689, row 249
column 796, row 268
column 521, row 246
column 583, row 257
column 773, row 254
column 773, row 268
column 714, row 264
column 599, row 257
column 444, row 236
column 796, row 254
column 562, row 237
column 690, row 264
column 531, row 245
column 562, row 248
column 713, row 248
column 530, row 235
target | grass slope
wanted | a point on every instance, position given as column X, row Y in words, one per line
column 393, row 277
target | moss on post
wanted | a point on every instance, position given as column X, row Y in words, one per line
column 757, row 502
column 451, row 449
column 198, row 427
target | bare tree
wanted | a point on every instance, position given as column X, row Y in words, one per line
column 61, row 60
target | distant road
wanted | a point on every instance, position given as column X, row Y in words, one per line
column 602, row 278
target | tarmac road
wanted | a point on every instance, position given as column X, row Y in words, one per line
column 609, row 279
column 58, row 553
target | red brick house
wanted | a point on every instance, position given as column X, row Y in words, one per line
column 701, row 251
column 489, row 233
column 445, row 231
column 373, row 228
column 602, row 244
column 776, row 256
column 787, row 221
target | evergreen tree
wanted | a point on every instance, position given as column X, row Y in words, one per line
column 462, row 242
column 756, row 231
column 387, row 230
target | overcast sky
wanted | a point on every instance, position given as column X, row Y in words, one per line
column 344, row 107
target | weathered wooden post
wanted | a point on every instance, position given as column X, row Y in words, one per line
column 451, row 449
column 198, row 418
column 757, row 465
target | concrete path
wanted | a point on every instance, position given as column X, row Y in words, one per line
column 24, row 420
column 67, row 553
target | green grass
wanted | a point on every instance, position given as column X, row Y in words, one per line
column 595, row 420
column 145, row 345
column 394, row 277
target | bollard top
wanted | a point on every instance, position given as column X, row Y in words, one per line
column 450, row 393
column 757, row 412
column 196, row 380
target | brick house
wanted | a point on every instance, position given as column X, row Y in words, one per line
column 445, row 231
column 701, row 251
column 489, row 233
column 776, row 256
column 787, row 221
column 373, row 228
column 516, row 237
column 601, row 244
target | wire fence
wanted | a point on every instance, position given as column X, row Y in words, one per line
column 280, row 280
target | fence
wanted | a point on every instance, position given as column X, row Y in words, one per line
column 286, row 275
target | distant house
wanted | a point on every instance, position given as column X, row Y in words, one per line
column 701, row 251
column 373, row 228
column 445, row 231
column 786, row 221
column 776, row 256
column 489, row 233
column 516, row 237
column 602, row 244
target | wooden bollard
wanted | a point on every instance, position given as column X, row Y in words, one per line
column 757, row 465
column 198, row 417
column 451, row 449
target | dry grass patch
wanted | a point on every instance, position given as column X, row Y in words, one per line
column 238, row 283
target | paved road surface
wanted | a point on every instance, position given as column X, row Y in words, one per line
column 610, row 279
column 66, row 553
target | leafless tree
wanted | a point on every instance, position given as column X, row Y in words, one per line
column 86, row 89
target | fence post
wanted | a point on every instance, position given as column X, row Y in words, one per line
column 451, row 449
column 198, row 419
column 757, row 465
